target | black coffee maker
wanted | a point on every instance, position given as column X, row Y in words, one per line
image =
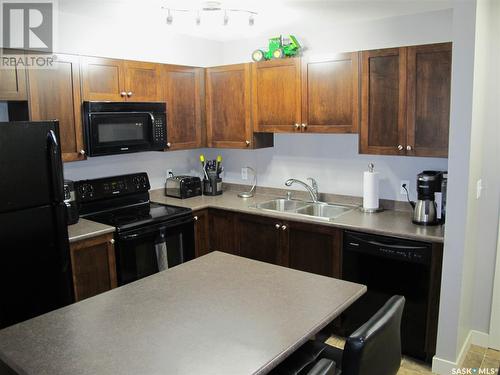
column 425, row 210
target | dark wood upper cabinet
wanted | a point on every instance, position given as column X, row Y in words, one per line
column 383, row 102
column 93, row 265
column 228, row 106
column 428, row 102
column 276, row 95
column 315, row 248
column 142, row 81
column 405, row 101
column 13, row 81
column 103, row 79
column 182, row 91
column 261, row 238
column 54, row 94
column 330, row 94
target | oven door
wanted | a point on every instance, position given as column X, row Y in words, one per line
column 144, row 251
column 119, row 132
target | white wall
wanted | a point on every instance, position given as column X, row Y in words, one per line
column 154, row 163
column 334, row 159
column 127, row 30
column 471, row 234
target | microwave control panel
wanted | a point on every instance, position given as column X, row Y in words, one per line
column 159, row 130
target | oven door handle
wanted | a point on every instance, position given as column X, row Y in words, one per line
column 136, row 233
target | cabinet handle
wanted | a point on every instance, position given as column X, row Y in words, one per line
column 169, row 144
column 400, row 147
column 129, row 94
column 409, row 148
column 304, row 126
column 123, row 94
column 112, row 241
column 283, row 227
column 195, row 218
column 247, row 143
column 297, row 126
column 81, row 152
column 277, row 226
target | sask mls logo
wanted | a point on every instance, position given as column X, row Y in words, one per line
column 28, row 26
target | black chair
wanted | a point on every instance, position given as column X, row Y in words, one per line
column 373, row 349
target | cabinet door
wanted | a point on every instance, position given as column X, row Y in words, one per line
column 315, row 249
column 330, row 95
column 222, row 227
column 94, row 267
column 201, row 233
column 228, row 106
column 142, row 81
column 182, row 93
column 276, row 95
column 383, row 102
column 261, row 238
column 103, row 79
column 12, row 81
column 428, row 101
column 55, row 94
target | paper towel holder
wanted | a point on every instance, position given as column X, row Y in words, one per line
column 371, row 167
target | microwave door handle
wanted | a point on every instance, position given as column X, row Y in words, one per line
column 152, row 118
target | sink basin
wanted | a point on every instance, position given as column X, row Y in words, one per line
column 282, row 205
column 328, row 211
column 318, row 210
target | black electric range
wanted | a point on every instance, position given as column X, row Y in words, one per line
column 149, row 237
column 135, row 216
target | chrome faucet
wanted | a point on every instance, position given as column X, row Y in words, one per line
column 312, row 189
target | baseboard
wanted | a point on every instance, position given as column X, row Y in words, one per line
column 444, row 367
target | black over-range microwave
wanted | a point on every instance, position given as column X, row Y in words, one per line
column 122, row 127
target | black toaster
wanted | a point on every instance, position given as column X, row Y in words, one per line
column 183, row 187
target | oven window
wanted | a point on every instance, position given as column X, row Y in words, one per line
column 117, row 132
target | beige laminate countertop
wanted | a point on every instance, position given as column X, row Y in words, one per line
column 87, row 229
column 389, row 222
column 218, row 314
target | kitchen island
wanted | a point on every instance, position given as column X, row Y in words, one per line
column 218, row 314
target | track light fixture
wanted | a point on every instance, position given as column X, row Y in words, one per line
column 210, row 7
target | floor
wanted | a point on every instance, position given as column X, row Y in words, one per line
column 476, row 358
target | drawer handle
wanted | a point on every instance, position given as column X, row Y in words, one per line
column 112, row 241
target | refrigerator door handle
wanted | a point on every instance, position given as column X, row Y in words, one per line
column 56, row 167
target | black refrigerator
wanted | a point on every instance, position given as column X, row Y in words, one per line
column 35, row 267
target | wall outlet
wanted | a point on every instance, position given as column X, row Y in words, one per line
column 170, row 173
column 244, row 173
column 401, row 189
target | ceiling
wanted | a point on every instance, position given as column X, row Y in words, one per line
column 272, row 14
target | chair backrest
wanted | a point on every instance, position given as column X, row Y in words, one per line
column 375, row 347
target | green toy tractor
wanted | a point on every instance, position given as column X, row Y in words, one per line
column 279, row 47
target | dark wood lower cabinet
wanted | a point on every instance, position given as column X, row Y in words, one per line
column 314, row 248
column 306, row 247
column 262, row 238
column 221, row 231
column 201, row 242
column 94, row 267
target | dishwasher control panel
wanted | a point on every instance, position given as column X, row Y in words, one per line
column 390, row 247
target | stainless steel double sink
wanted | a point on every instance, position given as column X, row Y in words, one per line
column 319, row 210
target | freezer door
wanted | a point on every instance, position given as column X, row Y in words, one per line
column 35, row 268
column 30, row 165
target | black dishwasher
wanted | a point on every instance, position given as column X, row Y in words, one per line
column 389, row 266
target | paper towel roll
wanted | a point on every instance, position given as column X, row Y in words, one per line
column 370, row 190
